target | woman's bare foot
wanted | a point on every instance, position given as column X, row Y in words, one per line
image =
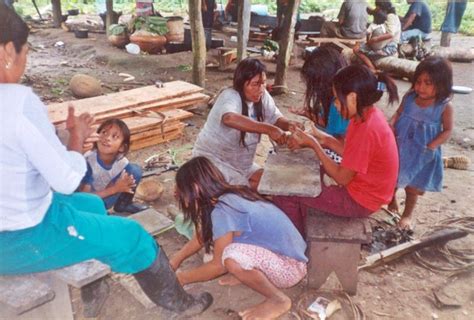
column 405, row 223
column 269, row 309
column 393, row 205
column 229, row 280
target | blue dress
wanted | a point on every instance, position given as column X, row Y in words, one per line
column 420, row 167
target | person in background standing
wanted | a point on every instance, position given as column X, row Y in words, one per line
column 452, row 20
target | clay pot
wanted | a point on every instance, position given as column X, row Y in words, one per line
column 175, row 29
column 119, row 41
column 150, row 44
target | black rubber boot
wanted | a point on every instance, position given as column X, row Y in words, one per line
column 160, row 284
column 93, row 297
column 125, row 204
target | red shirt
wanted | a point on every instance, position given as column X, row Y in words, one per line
column 371, row 151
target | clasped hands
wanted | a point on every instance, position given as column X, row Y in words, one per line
column 297, row 138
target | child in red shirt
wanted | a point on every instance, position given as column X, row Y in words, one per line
column 369, row 169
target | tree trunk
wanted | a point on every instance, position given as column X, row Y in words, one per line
column 396, row 67
column 57, row 14
column 199, row 43
column 286, row 47
column 109, row 6
column 243, row 29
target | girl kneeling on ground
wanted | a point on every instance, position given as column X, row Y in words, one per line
column 369, row 166
column 253, row 240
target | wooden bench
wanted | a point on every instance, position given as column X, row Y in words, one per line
column 46, row 295
column 334, row 245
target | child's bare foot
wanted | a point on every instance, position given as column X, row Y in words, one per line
column 229, row 280
column 269, row 309
column 405, row 223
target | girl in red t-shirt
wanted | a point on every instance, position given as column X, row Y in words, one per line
column 368, row 172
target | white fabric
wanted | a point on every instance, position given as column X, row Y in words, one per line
column 221, row 144
column 32, row 160
column 394, row 27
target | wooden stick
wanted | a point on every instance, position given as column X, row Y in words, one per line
column 437, row 237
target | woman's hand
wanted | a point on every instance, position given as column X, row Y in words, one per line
column 300, row 139
column 125, row 183
column 295, row 124
column 278, row 135
column 320, row 135
column 79, row 127
column 89, row 142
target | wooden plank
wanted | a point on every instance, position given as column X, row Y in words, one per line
column 137, row 124
column 281, row 169
column 167, row 130
column 60, row 308
column 324, row 227
column 22, row 293
column 81, row 274
column 437, row 237
column 186, row 102
column 124, row 99
column 332, row 40
column 152, row 221
column 155, row 140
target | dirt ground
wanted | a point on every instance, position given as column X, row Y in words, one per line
column 399, row 290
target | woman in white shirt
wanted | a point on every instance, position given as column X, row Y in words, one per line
column 44, row 225
column 239, row 117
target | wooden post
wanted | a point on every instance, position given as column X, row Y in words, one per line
column 57, row 14
column 286, row 47
column 109, row 5
column 198, row 42
column 243, row 29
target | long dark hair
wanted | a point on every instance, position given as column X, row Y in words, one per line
column 123, row 128
column 368, row 86
column 245, row 71
column 12, row 28
column 441, row 74
column 199, row 184
column 317, row 72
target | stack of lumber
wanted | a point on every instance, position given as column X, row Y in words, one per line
column 152, row 114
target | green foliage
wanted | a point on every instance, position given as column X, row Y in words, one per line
column 185, row 67
column 151, row 24
column 118, row 29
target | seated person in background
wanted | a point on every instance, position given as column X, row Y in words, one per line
column 233, row 128
column 109, row 174
column 417, row 21
column 352, row 22
column 383, row 36
column 253, row 240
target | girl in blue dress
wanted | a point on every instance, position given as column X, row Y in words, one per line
column 422, row 123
